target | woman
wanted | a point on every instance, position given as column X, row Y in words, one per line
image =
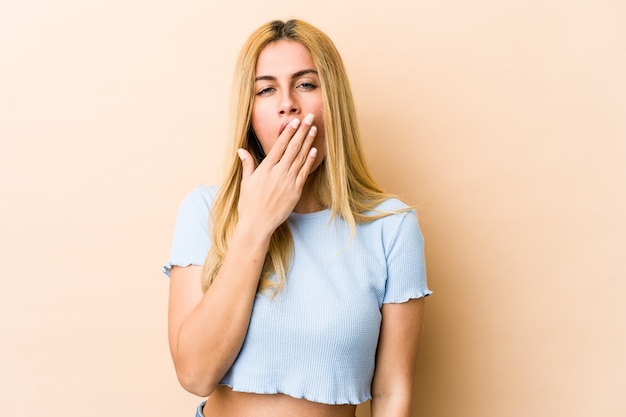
column 310, row 297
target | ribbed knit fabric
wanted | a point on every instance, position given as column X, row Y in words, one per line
column 317, row 339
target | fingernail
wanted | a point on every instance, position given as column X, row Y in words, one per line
column 313, row 151
column 312, row 130
column 295, row 123
column 309, row 118
column 241, row 154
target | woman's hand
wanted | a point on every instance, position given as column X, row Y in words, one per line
column 270, row 191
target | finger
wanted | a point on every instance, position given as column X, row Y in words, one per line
column 302, row 155
column 295, row 144
column 277, row 151
column 306, row 168
column 247, row 162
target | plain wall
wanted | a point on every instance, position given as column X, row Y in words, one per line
column 503, row 120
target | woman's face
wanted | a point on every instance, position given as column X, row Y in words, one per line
column 286, row 87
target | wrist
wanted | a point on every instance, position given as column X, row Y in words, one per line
column 252, row 234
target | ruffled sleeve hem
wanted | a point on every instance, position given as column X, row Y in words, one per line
column 404, row 299
column 167, row 268
column 191, row 240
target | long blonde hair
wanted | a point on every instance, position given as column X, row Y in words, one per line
column 342, row 182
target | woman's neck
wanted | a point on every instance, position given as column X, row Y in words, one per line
column 309, row 203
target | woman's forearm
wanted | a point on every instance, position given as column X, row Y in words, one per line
column 211, row 336
column 391, row 406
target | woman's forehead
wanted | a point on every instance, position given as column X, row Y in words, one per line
column 283, row 57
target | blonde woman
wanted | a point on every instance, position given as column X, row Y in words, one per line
column 297, row 287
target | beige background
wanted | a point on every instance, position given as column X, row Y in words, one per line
column 504, row 120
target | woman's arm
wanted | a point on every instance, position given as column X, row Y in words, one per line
column 396, row 358
column 206, row 331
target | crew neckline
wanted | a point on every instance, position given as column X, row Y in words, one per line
column 311, row 215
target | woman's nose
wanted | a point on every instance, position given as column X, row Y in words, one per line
column 288, row 104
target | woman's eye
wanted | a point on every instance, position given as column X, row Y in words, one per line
column 264, row 91
column 307, row 86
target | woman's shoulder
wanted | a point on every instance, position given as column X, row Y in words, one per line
column 391, row 204
column 201, row 196
column 197, row 202
column 392, row 212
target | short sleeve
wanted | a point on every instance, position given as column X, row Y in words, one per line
column 191, row 241
column 406, row 268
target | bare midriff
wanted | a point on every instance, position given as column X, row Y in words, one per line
column 224, row 402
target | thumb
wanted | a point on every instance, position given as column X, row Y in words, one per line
column 247, row 162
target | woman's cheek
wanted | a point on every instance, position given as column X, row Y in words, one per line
column 266, row 140
column 320, row 144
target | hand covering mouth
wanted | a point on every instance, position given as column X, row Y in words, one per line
column 283, row 126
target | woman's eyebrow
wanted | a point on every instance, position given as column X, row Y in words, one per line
column 303, row 72
column 294, row 75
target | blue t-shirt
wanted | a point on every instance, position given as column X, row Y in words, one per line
column 317, row 338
